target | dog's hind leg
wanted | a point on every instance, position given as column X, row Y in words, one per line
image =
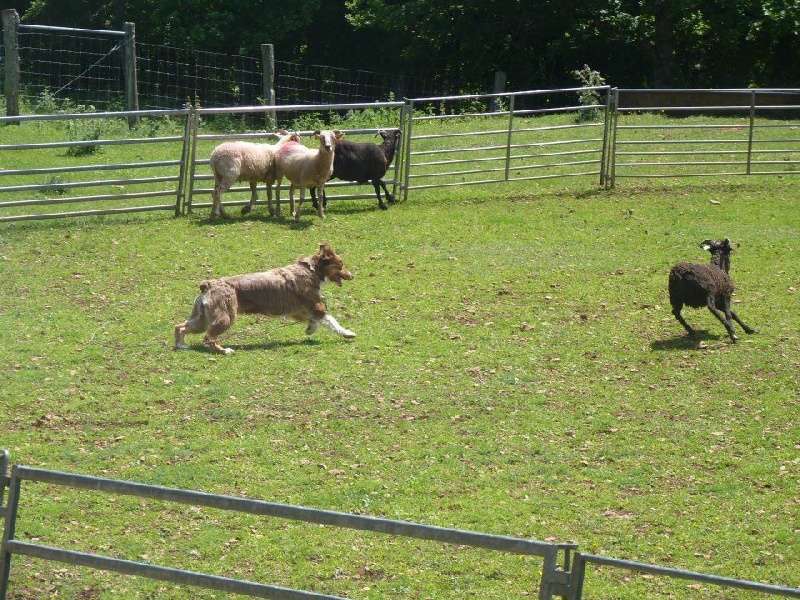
column 331, row 324
column 196, row 323
column 218, row 328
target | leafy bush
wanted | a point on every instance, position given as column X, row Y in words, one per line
column 589, row 97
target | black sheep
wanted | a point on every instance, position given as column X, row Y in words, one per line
column 698, row 285
column 363, row 162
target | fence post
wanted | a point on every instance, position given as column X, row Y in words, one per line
column 612, row 159
column 11, row 47
column 752, row 131
column 407, row 148
column 129, row 68
column 268, row 69
column 498, row 87
column 511, row 99
column 10, row 513
column 604, row 158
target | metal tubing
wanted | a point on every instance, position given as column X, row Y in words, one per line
column 691, row 575
column 177, row 576
column 8, row 532
column 286, row 511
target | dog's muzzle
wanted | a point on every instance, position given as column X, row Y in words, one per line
column 342, row 275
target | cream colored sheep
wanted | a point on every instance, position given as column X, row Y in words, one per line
column 245, row 161
column 306, row 168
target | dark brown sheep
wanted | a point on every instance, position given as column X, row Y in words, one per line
column 699, row 285
column 365, row 162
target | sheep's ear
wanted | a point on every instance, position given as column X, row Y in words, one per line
column 707, row 244
column 338, row 133
column 316, row 133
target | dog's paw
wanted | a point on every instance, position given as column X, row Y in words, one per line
column 181, row 346
column 348, row 334
column 228, row 351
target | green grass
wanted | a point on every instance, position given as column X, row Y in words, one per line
column 517, row 371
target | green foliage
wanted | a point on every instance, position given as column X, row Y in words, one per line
column 589, row 79
column 84, row 130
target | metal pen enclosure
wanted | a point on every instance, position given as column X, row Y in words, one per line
column 161, row 169
column 506, row 142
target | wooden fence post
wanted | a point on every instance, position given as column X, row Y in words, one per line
column 11, row 46
column 498, row 88
column 129, row 67
column 268, row 69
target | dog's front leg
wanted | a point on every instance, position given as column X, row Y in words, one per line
column 331, row 324
column 216, row 347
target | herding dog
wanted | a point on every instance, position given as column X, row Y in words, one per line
column 293, row 291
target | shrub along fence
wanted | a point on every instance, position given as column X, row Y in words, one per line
column 560, row 576
column 515, row 136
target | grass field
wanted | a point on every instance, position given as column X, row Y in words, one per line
column 516, row 371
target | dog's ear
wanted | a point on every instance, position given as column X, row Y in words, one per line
column 325, row 249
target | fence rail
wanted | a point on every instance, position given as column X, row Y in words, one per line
column 607, row 141
column 563, row 567
column 552, row 579
column 523, row 149
column 121, row 192
column 738, row 147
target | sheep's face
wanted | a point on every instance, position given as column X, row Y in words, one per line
column 327, row 138
column 714, row 247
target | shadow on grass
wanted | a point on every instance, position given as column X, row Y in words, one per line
column 684, row 342
column 267, row 345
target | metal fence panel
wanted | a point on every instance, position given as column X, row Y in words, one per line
column 515, row 136
column 718, row 133
column 553, row 576
column 30, row 192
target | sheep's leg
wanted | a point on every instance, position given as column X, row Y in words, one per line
column 269, row 199
column 324, row 197
column 253, row 198
column 746, row 328
column 214, row 331
column 320, row 191
column 376, row 183
column 724, row 319
column 389, row 197
column 216, row 204
column 299, row 202
column 278, row 197
column 331, row 324
column 676, row 310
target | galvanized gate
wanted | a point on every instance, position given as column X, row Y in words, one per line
column 88, row 166
column 563, row 567
column 504, row 139
column 553, row 579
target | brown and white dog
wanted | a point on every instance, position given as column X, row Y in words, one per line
column 293, row 291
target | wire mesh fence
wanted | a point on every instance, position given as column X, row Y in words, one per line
column 169, row 78
column 82, row 66
column 86, row 67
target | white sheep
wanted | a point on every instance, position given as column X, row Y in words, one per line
column 306, row 168
column 245, row 161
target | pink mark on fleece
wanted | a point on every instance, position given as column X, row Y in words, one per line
column 289, row 147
